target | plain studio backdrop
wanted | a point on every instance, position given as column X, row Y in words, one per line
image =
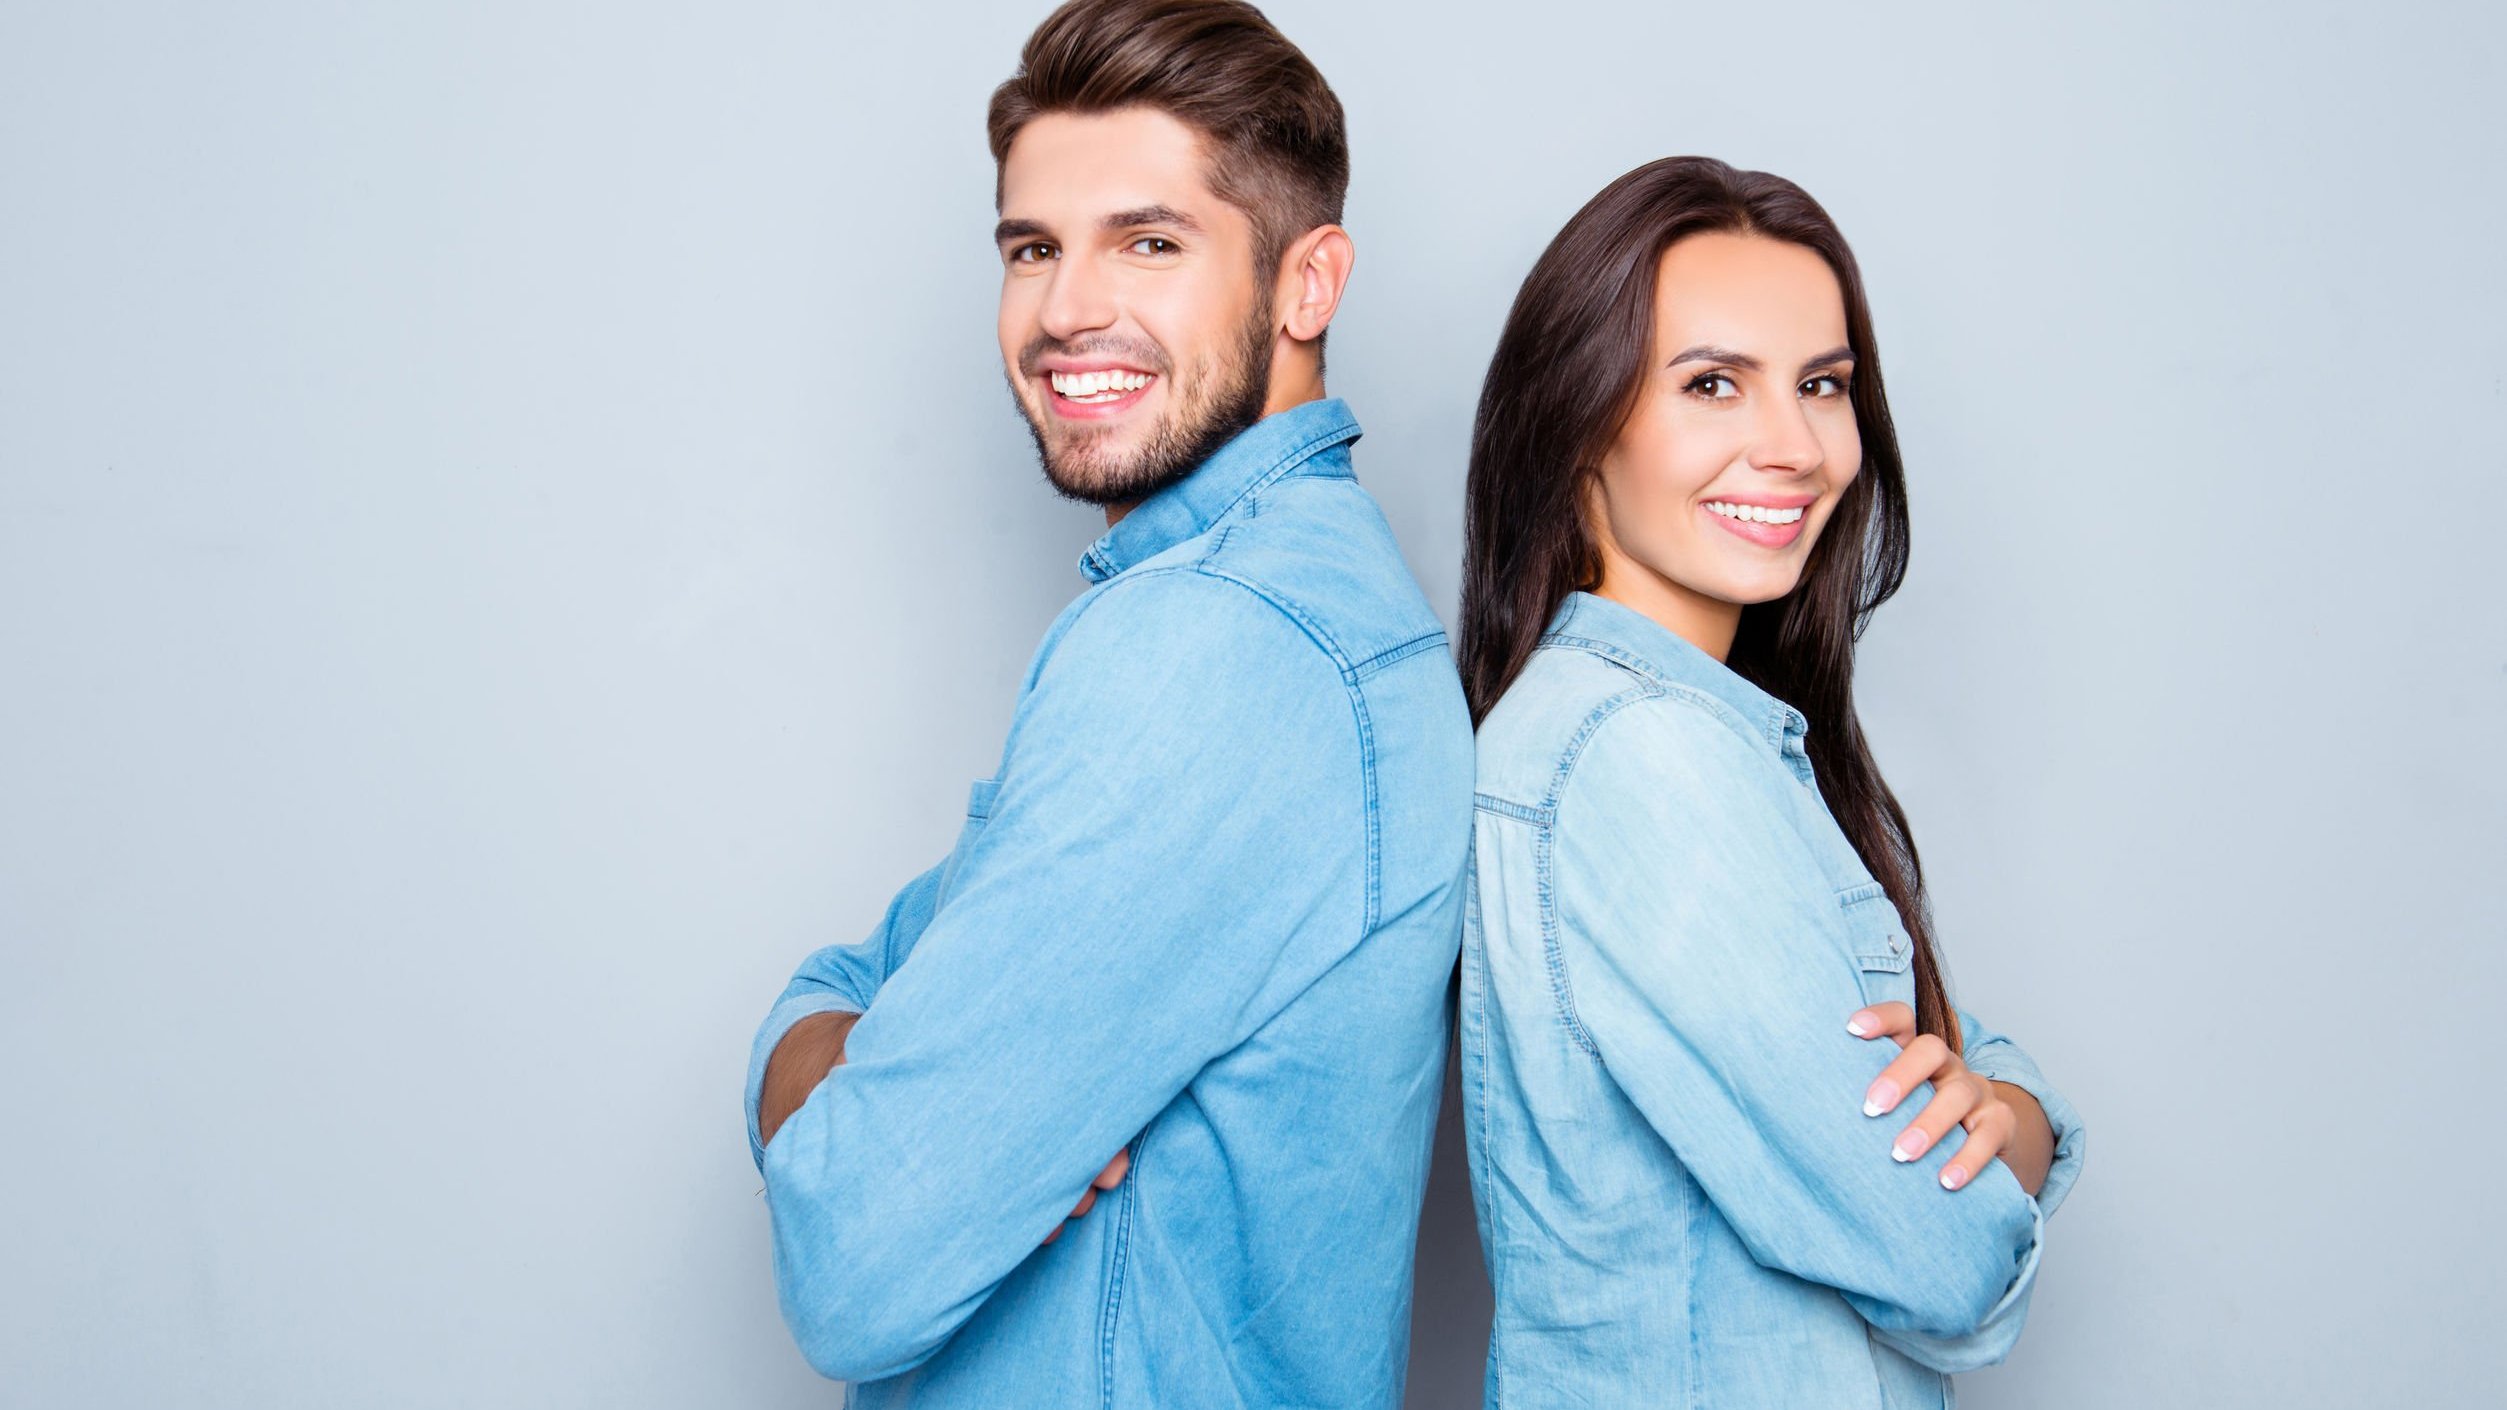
column 511, row 533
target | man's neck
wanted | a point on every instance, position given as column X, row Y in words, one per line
column 1285, row 393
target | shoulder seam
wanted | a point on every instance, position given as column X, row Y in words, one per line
column 1644, row 688
column 1648, row 688
column 1350, row 675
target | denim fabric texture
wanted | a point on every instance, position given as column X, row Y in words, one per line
column 1681, row 1201
column 1208, row 910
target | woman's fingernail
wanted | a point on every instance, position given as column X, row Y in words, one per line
column 1911, row 1143
column 1882, row 1096
column 1953, row 1177
column 1860, row 1025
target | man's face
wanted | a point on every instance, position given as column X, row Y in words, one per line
column 1132, row 332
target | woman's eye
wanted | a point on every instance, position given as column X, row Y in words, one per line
column 1825, row 386
column 1714, row 386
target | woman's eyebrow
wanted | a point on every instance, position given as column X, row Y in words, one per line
column 1708, row 352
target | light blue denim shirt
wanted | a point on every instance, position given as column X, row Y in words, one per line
column 1207, row 910
column 1680, row 1198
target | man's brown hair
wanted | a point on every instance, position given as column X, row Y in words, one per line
column 1278, row 147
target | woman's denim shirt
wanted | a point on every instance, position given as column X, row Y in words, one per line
column 1680, row 1198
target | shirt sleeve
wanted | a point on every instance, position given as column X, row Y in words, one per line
column 840, row 979
column 1706, row 962
column 1177, row 847
column 1997, row 1058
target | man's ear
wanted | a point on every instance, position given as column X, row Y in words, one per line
column 1314, row 269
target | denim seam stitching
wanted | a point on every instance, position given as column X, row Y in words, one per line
column 1343, row 430
column 1358, row 707
column 1496, row 1361
column 1772, row 733
column 1544, row 846
column 1114, row 1278
column 1392, row 656
column 1331, row 649
column 1695, row 1377
column 1508, row 808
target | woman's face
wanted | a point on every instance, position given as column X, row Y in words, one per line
column 1742, row 440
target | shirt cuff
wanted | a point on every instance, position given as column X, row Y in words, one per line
column 779, row 1021
column 1999, row 1061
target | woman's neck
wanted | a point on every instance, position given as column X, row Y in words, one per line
column 1707, row 623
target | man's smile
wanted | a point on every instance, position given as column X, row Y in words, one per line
column 1097, row 393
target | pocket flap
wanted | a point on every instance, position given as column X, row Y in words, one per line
column 979, row 798
column 1872, row 925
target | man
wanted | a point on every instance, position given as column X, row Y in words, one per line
column 1188, row 961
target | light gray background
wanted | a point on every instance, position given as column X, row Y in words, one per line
column 510, row 533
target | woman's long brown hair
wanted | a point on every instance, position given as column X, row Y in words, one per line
column 1563, row 382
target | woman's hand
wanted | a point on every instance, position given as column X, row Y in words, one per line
column 1959, row 1098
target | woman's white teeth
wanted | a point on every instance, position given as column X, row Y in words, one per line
column 1754, row 513
column 1098, row 386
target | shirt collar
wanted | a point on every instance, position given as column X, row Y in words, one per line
column 1642, row 644
column 1309, row 439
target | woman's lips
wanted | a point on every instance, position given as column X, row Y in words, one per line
column 1763, row 534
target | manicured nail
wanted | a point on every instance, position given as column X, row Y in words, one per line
column 1882, row 1096
column 1910, row 1144
column 1952, row 1177
column 1859, row 1025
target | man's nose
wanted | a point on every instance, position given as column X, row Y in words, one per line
column 1079, row 299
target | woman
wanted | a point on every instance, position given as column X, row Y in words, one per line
column 1697, row 907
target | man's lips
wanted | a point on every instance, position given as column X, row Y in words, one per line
column 1095, row 391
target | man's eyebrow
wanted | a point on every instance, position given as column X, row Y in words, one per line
column 1009, row 230
column 1151, row 215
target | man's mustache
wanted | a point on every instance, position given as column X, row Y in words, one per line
column 1146, row 356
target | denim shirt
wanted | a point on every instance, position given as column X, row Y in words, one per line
column 1681, row 1201
column 1208, row 911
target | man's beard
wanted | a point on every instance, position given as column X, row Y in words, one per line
column 1203, row 415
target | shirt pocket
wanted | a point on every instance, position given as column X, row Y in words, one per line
column 1878, row 941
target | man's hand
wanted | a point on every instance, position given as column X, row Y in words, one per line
column 2001, row 1120
column 812, row 1048
column 1106, row 1179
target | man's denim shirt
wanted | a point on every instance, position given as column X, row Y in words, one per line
column 1208, row 910
column 1680, row 1198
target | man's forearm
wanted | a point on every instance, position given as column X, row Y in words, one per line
column 815, row 1047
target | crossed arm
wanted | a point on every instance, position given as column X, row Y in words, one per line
column 2001, row 1119
column 815, row 1047
column 1702, row 943
column 942, row 1098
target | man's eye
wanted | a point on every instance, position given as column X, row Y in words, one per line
column 1034, row 252
column 1155, row 245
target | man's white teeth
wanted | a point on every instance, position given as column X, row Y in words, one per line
column 1754, row 513
column 1098, row 386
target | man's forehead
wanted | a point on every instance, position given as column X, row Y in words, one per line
column 1066, row 167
